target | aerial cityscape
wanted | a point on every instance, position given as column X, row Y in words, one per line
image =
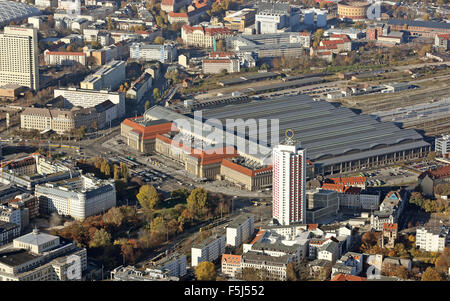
column 224, row 140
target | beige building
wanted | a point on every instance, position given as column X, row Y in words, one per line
column 239, row 20
column 203, row 36
column 60, row 121
column 109, row 76
column 19, row 57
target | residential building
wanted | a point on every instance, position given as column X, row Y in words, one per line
column 79, row 197
column 442, row 41
column 432, row 239
column 173, row 5
column 275, row 267
column 442, row 146
column 74, row 97
column 231, row 265
column 329, row 252
column 140, row 87
column 349, row 264
column 19, row 57
column 11, row 91
column 430, row 178
column 108, row 77
column 11, row 215
column 240, row 229
column 130, row 273
column 173, row 265
column 389, row 235
column 317, row 15
column 64, row 58
column 390, row 209
column 8, row 231
column 289, row 181
column 208, row 250
column 203, row 35
column 42, row 257
column 166, row 53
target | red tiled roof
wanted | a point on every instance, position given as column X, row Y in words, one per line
column 148, row 132
column 344, row 277
column 438, row 173
column 390, row 226
column 221, row 53
column 259, row 235
column 349, row 180
column 232, row 259
column 244, row 170
column 214, row 156
column 178, row 15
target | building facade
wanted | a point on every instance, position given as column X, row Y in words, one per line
column 19, row 57
column 289, row 181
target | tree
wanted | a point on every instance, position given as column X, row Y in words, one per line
column 196, row 201
column 107, row 171
column 156, row 94
column 290, row 271
column 116, row 172
column 443, row 262
column 220, row 46
column 431, row 274
column 158, row 226
column 205, row 271
column 147, row 105
column 422, row 52
column 159, row 40
column 431, row 155
column 101, row 239
column 124, row 171
column 114, row 217
column 182, row 193
column 110, row 25
column 148, row 197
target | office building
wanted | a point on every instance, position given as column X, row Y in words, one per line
column 321, row 204
column 42, row 257
column 74, row 97
column 204, row 35
column 78, row 197
column 219, row 61
column 239, row 20
column 64, row 58
column 130, row 273
column 289, row 181
column 140, row 87
column 273, row 17
column 19, row 57
column 108, row 77
column 432, row 239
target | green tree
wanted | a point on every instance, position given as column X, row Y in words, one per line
column 205, row 271
column 158, row 226
column 101, row 239
column 148, row 197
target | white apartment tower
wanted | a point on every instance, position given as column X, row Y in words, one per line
column 19, row 57
column 289, row 173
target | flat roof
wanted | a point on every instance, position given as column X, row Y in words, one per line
column 14, row 257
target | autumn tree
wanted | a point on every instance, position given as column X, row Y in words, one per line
column 290, row 272
column 147, row 105
column 101, row 239
column 148, row 197
column 114, row 217
column 205, row 271
column 124, row 171
column 431, row 274
column 116, row 172
column 196, row 202
column 159, row 40
column 443, row 262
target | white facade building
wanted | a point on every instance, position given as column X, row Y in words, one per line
column 240, row 229
column 90, row 98
column 108, row 77
column 78, row 197
column 208, row 250
column 19, row 57
column 432, row 239
column 289, row 173
column 10, row 215
column 442, row 145
column 174, row 265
